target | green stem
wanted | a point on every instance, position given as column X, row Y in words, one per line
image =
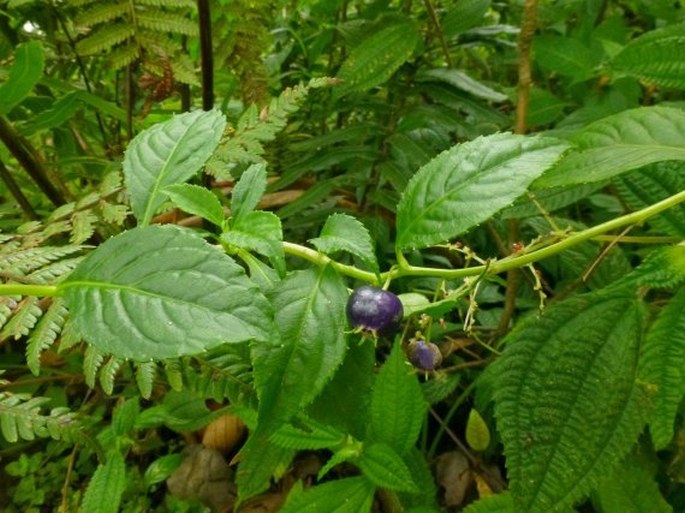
column 23, row 289
column 493, row 267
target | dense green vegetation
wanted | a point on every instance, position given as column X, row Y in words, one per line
column 192, row 190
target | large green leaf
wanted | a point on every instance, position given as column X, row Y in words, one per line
column 260, row 460
column 613, row 145
column 293, row 367
column 655, row 57
column 630, row 489
column 106, row 486
column 397, row 404
column 564, row 55
column 166, row 154
column 350, row 495
column 248, row 191
column 345, row 233
column 377, row 57
column 24, row 74
column 469, row 183
column 160, row 291
column 567, row 398
column 664, row 368
column 385, row 468
column 259, row 231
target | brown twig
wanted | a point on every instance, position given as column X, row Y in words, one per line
column 528, row 27
column 438, row 30
column 14, row 189
column 28, row 157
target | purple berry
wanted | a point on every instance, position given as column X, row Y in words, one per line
column 374, row 309
column 424, row 356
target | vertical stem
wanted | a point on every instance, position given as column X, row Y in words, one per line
column 438, row 31
column 528, row 27
column 27, row 156
column 205, row 22
column 14, row 189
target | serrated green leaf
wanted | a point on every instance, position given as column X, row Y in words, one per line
column 567, row 399
column 643, row 187
column 377, row 57
column 663, row 367
column 260, row 460
column 350, row 495
column 92, row 360
column 307, row 435
column 385, row 468
column 462, row 81
column 440, row 386
column 166, row 154
column 465, row 15
column 259, row 231
column 345, row 233
column 467, row 184
column 663, row 268
column 345, row 401
column 106, row 487
column 24, row 74
column 24, row 319
column 397, row 404
column 630, row 489
column 83, row 226
column 550, row 200
column 292, row 368
column 108, row 373
column 45, row 334
column 160, row 469
column 196, row 200
column 124, row 416
column 655, row 57
column 477, row 432
column 500, row 503
column 160, row 291
column 248, row 191
column 145, row 378
column 613, row 145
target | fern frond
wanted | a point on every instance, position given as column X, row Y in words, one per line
column 174, row 374
column 225, row 373
column 92, row 360
column 145, row 377
column 24, row 319
column 20, row 418
column 102, row 12
column 52, row 272
column 45, row 333
column 161, row 21
column 108, row 373
column 180, row 4
column 70, row 337
column 5, row 309
column 29, row 260
column 104, row 39
column 83, row 226
column 115, row 214
column 184, row 71
column 124, row 56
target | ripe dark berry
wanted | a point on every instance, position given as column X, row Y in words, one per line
column 424, row 356
column 374, row 309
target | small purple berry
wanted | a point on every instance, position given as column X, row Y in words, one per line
column 424, row 356
column 374, row 309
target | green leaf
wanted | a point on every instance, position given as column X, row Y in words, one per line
column 293, row 367
column 426, row 498
column 663, row 365
column 166, row 154
column 260, row 460
column 643, row 187
column 45, row 334
column 630, row 489
column 477, row 432
column 181, row 411
column 567, row 399
column 349, row 495
column 385, row 468
column 616, row 144
column 462, row 81
column 465, row 15
column 106, row 487
column 262, row 232
column 62, row 110
column 24, row 74
column 655, row 57
column 564, row 55
column 307, row 435
column 467, row 184
column 345, row 401
column 197, row 201
column 160, row 291
column 145, row 378
column 397, row 404
column 345, row 233
column 377, row 57
column 160, row 469
column 248, row 191
column 500, row 503
column 663, row 268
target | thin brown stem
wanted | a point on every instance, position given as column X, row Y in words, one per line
column 205, row 25
column 430, row 8
column 14, row 189
column 27, row 156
